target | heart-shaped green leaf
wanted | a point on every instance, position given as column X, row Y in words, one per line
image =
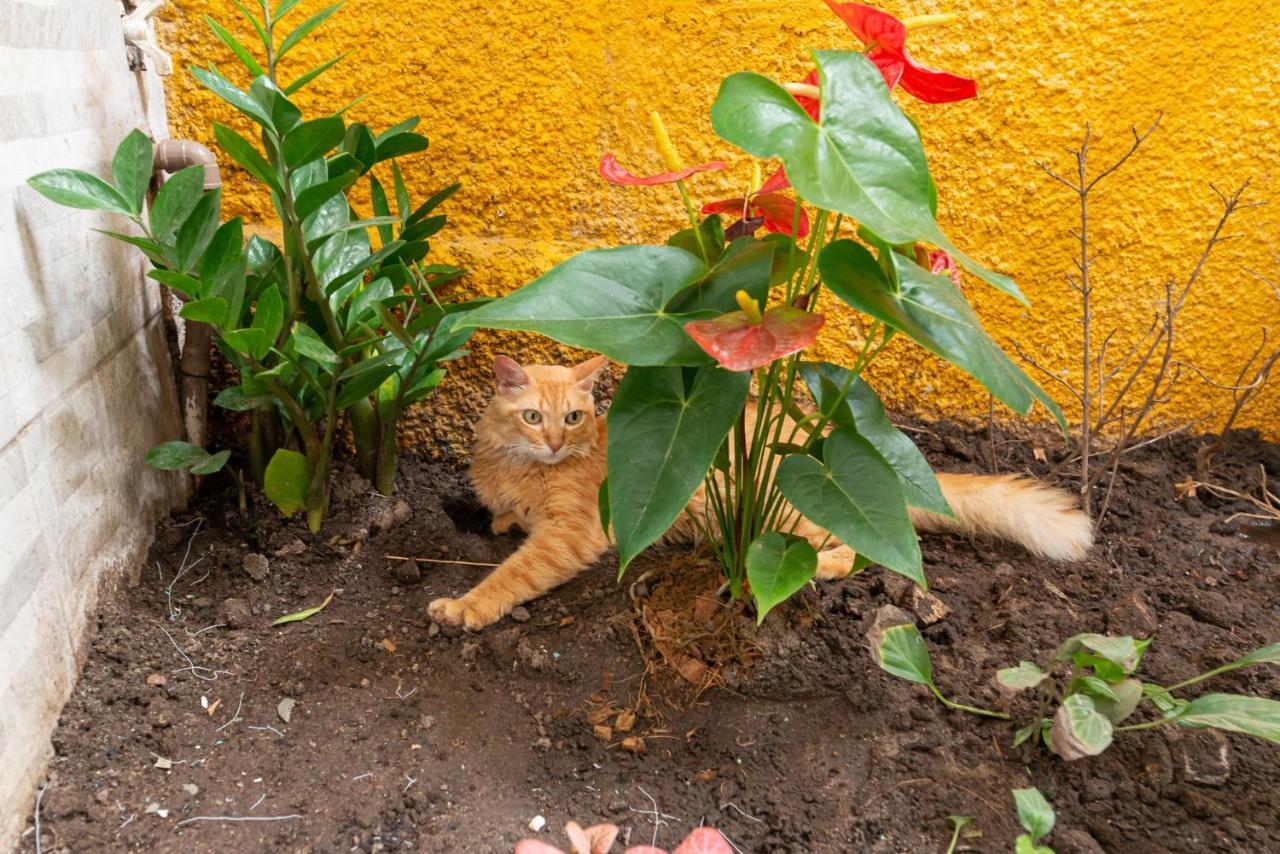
column 1119, row 650
column 862, row 412
column 612, row 301
column 1126, row 695
column 856, row 495
column 900, row 651
column 864, row 158
column 1034, row 812
column 1079, row 729
column 1025, row 675
column 665, row 426
column 933, row 312
column 777, row 568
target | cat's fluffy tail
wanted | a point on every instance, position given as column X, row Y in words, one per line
column 1043, row 520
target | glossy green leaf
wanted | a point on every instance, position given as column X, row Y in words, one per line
column 777, row 568
column 268, row 315
column 242, row 53
column 223, row 267
column 665, row 426
column 608, row 300
column 175, row 202
column 209, row 310
column 227, row 91
column 308, row 343
column 304, row 614
column 304, row 29
column 236, row 399
column 933, row 312
column 247, row 155
column 900, row 651
column 864, row 158
column 286, row 480
column 1079, row 729
column 312, row 140
column 1025, row 675
column 1161, row 698
column 197, row 231
column 248, row 342
column 746, row 265
column 433, row 202
column 175, row 455
column 305, row 79
column 257, row 25
column 857, row 496
column 310, row 199
column 862, row 411
column 154, row 251
column 712, row 231
column 75, row 189
column 602, row 507
column 401, row 145
column 1235, row 713
column 183, row 284
column 132, row 167
column 1034, row 812
column 364, row 383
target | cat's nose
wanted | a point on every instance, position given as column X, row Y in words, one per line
column 555, row 444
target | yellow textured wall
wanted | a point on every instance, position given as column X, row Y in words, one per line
column 520, row 100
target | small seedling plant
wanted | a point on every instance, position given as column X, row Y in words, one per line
column 343, row 316
column 717, row 307
column 1036, row 817
column 1100, row 692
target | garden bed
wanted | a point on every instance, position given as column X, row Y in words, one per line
column 402, row 735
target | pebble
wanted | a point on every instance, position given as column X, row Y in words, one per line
column 537, row 823
column 521, row 614
column 285, row 708
column 1209, row 606
column 433, row 629
column 406, row 572
column 256, row 566
column 236, row 613
column 191, row 789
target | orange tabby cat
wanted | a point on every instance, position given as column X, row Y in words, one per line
column 539, row 459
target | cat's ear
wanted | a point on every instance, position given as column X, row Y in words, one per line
column 510, row 377
column 586, row 372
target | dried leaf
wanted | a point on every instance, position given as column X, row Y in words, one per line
column 626, row 722
column 633, row 744
column 388, row 644
column 604, row 733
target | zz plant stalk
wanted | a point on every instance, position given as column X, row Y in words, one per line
column 342, row 316
column 716, row 307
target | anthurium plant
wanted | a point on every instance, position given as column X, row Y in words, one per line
column 1101, row 691
column 342, row 316
column 719, row 304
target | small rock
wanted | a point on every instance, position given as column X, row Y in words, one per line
column 427, row 721
column 1075, row 841
column 156, row 680
column 163, row 764
column 236, row 613
column 1134, row 616
column 521, row 614
column 958, row 447
column 285, row 708
column 256, row 566
column 929, row 609
column 449, row 630
column 543, row 743
column 885, row 618
column 202, row 602
column 292, row 549
column 407, row 572
column 1097, row 789
column 1204, row 758
column 469, row 652
column 433, row 629
column 191, row 789
column 537, row 823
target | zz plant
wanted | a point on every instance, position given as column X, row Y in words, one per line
column 698, row 318
column 341, row 316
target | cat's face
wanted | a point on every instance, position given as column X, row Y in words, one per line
column 546, row 412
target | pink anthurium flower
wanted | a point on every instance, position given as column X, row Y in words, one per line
column 612, row 172
column 938, row 262
column 777, row 211
column 885, row 37
column 748, row 339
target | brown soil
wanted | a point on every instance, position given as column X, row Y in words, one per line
column 404, row 736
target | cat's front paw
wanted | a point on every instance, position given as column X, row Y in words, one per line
column 504, row 523
column 460, row 612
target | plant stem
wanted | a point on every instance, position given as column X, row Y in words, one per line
column 1226, row 668
column 1147, row 725
column 693, row 222
column 963, row 708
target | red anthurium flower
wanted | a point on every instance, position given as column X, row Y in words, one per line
column 938, row 262
column 811, row 105
column 777, row 211
column 886, row 36
column 749, row 339
column 615, row 174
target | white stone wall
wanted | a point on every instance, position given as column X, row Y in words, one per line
column 85, row 378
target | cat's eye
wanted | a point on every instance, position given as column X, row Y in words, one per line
column 531, row 416
column 573, row 417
